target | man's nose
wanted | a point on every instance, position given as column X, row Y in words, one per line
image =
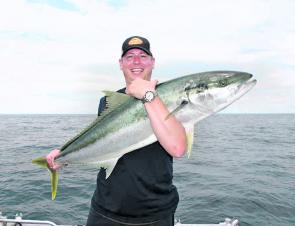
column 136, row 59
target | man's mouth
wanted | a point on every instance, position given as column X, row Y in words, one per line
column 136, row 70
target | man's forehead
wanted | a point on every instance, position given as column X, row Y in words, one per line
column 135, row 51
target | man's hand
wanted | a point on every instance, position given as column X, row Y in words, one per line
column 50, row 159
column 138, row 87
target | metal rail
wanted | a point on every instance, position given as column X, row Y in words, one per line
column 18, row 221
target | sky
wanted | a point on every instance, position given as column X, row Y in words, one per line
column 56, row 56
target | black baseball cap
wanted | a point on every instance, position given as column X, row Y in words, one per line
column 136, row 42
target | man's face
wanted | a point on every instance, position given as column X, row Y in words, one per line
column 137, row 64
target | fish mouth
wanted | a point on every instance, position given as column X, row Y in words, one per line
column 248, row 83
column 242, row 82
column 245, row 86
column 251, row 82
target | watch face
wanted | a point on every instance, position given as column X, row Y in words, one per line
column 149, row 96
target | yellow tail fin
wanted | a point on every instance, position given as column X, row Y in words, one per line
column 53, row 175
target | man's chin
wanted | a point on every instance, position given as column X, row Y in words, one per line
column 138, row 75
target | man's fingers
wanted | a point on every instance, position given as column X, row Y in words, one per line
column 56, row 166
column 50, row 158
column 154, row 83
column 55, row 153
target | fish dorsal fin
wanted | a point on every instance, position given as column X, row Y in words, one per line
column 113, row 101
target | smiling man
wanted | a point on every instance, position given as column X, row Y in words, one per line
column 140, row 190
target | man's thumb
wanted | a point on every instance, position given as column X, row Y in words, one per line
column 155, row 82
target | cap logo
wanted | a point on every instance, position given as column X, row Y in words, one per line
column 135, row 41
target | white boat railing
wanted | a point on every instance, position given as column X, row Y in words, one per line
column 18, row 221
column 227, row 222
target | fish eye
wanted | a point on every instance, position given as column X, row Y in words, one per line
column 223, row 82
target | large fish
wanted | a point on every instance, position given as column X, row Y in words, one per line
column 124, row 125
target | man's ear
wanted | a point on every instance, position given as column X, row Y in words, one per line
column 121, row 62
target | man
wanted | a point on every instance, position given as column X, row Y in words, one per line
column 139, row 191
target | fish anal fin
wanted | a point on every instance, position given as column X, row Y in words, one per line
column 189, row 140
column 109, row 166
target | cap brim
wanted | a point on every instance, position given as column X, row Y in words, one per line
column 137, row 47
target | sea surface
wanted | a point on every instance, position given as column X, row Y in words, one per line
column 242, row 166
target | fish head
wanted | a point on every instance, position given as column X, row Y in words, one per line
column 211, row 92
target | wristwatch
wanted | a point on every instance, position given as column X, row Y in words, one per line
column 149, row 96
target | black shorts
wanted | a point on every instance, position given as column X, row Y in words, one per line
column 98, row 219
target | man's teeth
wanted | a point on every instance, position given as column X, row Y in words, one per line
column 137, row 70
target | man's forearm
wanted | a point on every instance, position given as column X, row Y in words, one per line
column 169, row 131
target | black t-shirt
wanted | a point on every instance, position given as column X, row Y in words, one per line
column 140, row 185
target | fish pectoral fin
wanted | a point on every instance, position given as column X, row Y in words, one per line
column 178, row 108
column 189, row 140
column 53, row 175
column 109, row 166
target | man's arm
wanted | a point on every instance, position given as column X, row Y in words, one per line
column 169, row 131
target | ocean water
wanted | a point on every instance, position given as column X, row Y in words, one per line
column 242, row 166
